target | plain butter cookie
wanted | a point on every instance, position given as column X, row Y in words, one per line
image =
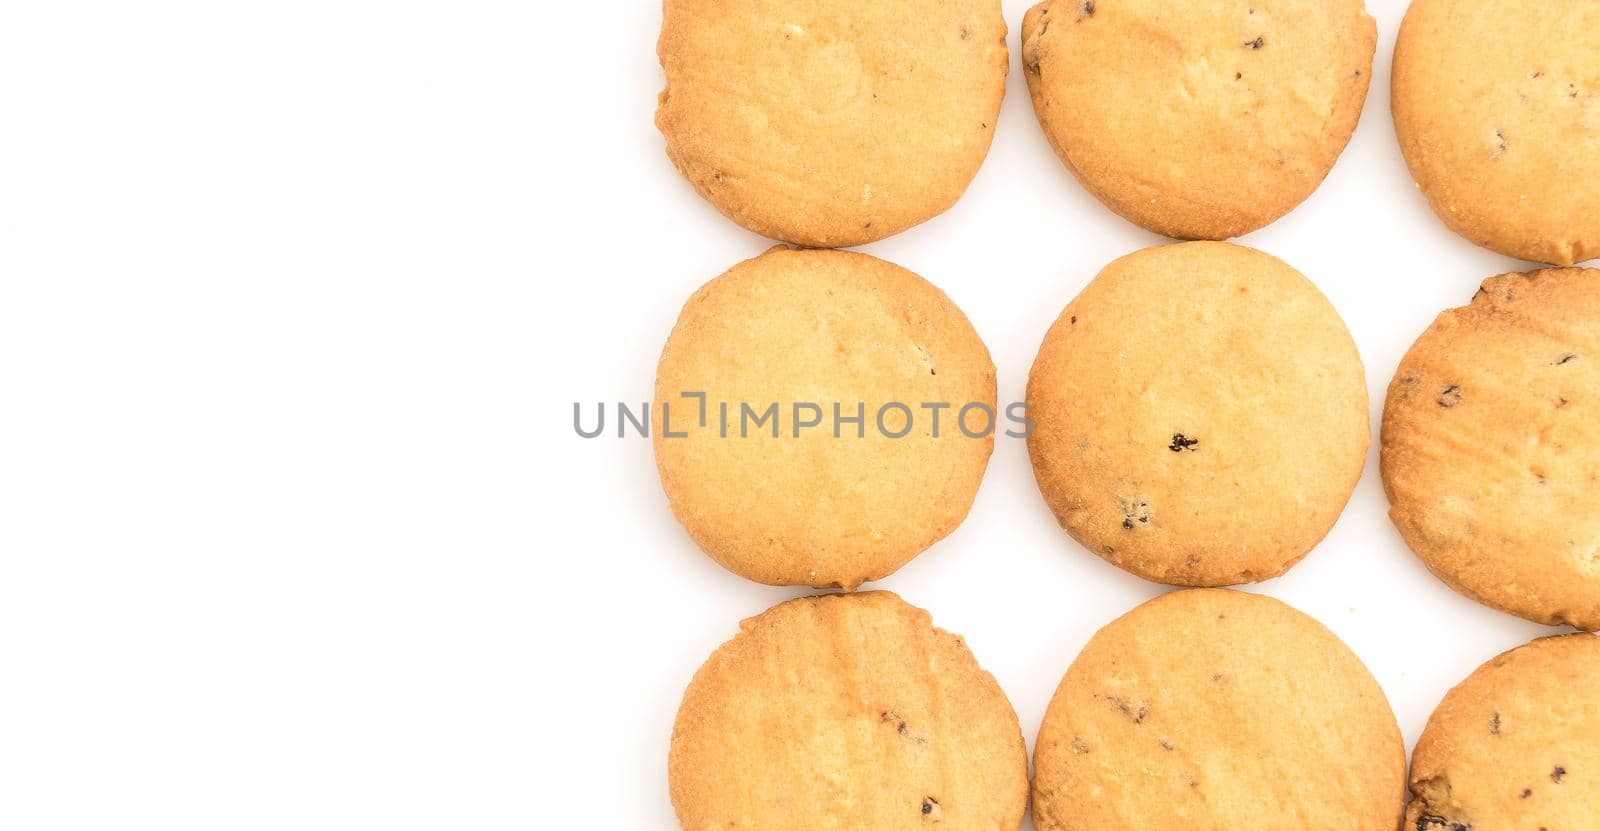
column 846, row 711
column 831, row 123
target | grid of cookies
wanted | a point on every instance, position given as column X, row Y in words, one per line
column 835, row 414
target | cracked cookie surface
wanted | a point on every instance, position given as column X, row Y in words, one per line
column 1491, row 446
column 1516, row 745
column 834, row 504
column 1217, row 710
column 846, row 711
column 1204, row 119
column 1200, row 415
column 830, row 123
column 1497, row 108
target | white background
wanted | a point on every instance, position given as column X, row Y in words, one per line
column 295, row 300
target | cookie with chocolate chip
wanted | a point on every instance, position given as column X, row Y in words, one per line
column 1497, row 107
column 1491, row 446
column 1516, row 745
column 1217, row 709
column 831, row 123
column 1204, row 119
column 1200, row 415
column 824, row 416
column 846, row 711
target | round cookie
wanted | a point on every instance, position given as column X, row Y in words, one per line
column 846, row 711
column 1491, row 446
column 1204, row 119
column 1516, row 745
column 1200, row 415
column 1217, row 709
column 1497, row 107
column 867, row 345
column 831, row 123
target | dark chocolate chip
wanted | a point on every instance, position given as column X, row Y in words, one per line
column 1180, row 443
column 1558, row 774
column 1255, row 44
column 1566, row 359
column 1450, row 397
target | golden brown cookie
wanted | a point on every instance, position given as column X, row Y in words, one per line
column 1204, row 119
column 1217, row 710
column 846, row 711
column 1491, row 446
column 1516, row 745
column 859, row 350
column 1497, row 106
column 831, row 123
column 1200, row 415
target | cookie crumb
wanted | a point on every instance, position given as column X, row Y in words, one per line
column 1135, row 709
column 1135, row 513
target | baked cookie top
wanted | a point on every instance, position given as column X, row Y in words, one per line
column 1217, row 710
column 841, row 503
column 1491, row 446
column 831, row 123
column 846, row 711
column 1200, row 415
column 1204, row 119
column 1516, row 745
column 1497, row 106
